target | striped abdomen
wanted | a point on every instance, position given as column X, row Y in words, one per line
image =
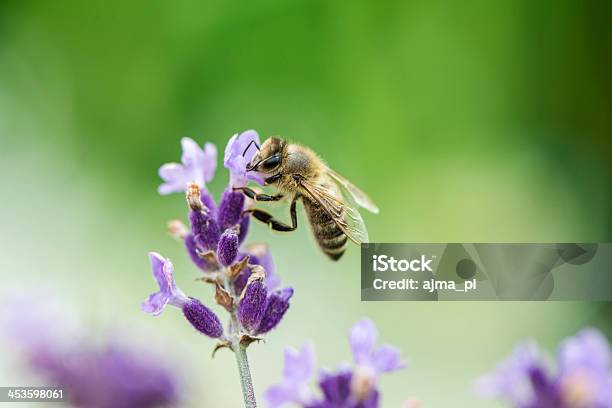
column 329, row 236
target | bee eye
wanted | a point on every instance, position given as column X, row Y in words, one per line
column 271, row 162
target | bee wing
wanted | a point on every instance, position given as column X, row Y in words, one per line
column 358, row 196
column 343, row 213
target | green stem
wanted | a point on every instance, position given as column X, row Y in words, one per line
column 245, row 376
column 241, row 358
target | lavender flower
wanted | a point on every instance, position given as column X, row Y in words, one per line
column 244, row 279
column 583, row 378
column 236, row 162
column 197, row 166
column 163, row 272
column 347, row 387
column 200, row 317
column 214, row 236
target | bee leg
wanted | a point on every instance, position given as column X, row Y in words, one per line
column 256, row 196
column 272, row 179
column 276, row 225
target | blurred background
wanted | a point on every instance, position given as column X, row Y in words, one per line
column 468, row 121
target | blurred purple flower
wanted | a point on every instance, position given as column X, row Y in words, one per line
column 347, row 387
column 509, row 379
column 585, row 369
column 376, row 360
column 197, row 166
column 111, row 376
column 293, row 388
column 339, row 391
column 583, row 378
column 237, row 163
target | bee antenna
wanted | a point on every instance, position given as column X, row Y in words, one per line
column 249, row 145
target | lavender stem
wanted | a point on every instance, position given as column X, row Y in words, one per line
column 242, row 361
column 245, row 376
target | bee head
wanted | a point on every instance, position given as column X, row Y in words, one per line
column 269, row 156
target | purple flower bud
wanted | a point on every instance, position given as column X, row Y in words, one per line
column 252, row 304
column 208, row 240
column 228, row 247
column 198, row 220
column 244, row 228
column 192, row 245
column 203, row 224
column 208, row 201
column 242, row 279
column 260, row 255
column 276, row 306
column 230, row 209
column 202, row 318
column 205, row 230
column 192, row 250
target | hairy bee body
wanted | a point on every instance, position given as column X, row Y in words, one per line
column 302, row 163
column 330, row 237
column 300, row 174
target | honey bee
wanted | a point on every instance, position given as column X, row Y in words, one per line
column 330, row 200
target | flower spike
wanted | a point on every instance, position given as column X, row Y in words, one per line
column 244, row 279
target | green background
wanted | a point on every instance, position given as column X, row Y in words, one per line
column 469, row 121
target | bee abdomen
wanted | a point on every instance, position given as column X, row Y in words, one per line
column 329, row 236
column 334, row 247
